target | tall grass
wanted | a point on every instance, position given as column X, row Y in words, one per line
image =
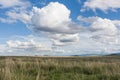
column 60, row 68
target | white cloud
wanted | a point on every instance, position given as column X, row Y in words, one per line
column 105, row 30
column 28, row 42
column 7, row 20
column 21, row 16
column 17, row 10
column 13, row 3
column 87, row 19
column 2, row 48
column 25, row 45
column 64, row 39
column 103, row 5
column 96, row 18
column 105, row 25
column 104, row 35
column 13, row 17
column 54, row 19
column 117, row 23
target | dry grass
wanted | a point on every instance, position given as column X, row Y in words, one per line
column 60, row 68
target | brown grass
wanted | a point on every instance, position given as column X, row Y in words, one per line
column 60, row 68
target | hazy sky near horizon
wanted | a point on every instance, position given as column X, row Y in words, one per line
column 59, row 27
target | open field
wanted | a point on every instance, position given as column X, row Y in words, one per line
column 60, row 68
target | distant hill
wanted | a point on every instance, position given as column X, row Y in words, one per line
column 114, row 54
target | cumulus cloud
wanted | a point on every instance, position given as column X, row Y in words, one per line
column 102, row 30
column 96, row 18
column 54, row 20
column 103, row 5
column 104, row 25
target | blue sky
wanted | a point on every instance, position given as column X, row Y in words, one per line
column 59, row 27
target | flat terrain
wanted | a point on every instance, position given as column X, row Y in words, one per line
column 60, row 68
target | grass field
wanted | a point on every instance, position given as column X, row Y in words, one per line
column 60, row 68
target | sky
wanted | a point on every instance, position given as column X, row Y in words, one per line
column 59, row 27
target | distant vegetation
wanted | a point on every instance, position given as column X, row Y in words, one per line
column 60, row 68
